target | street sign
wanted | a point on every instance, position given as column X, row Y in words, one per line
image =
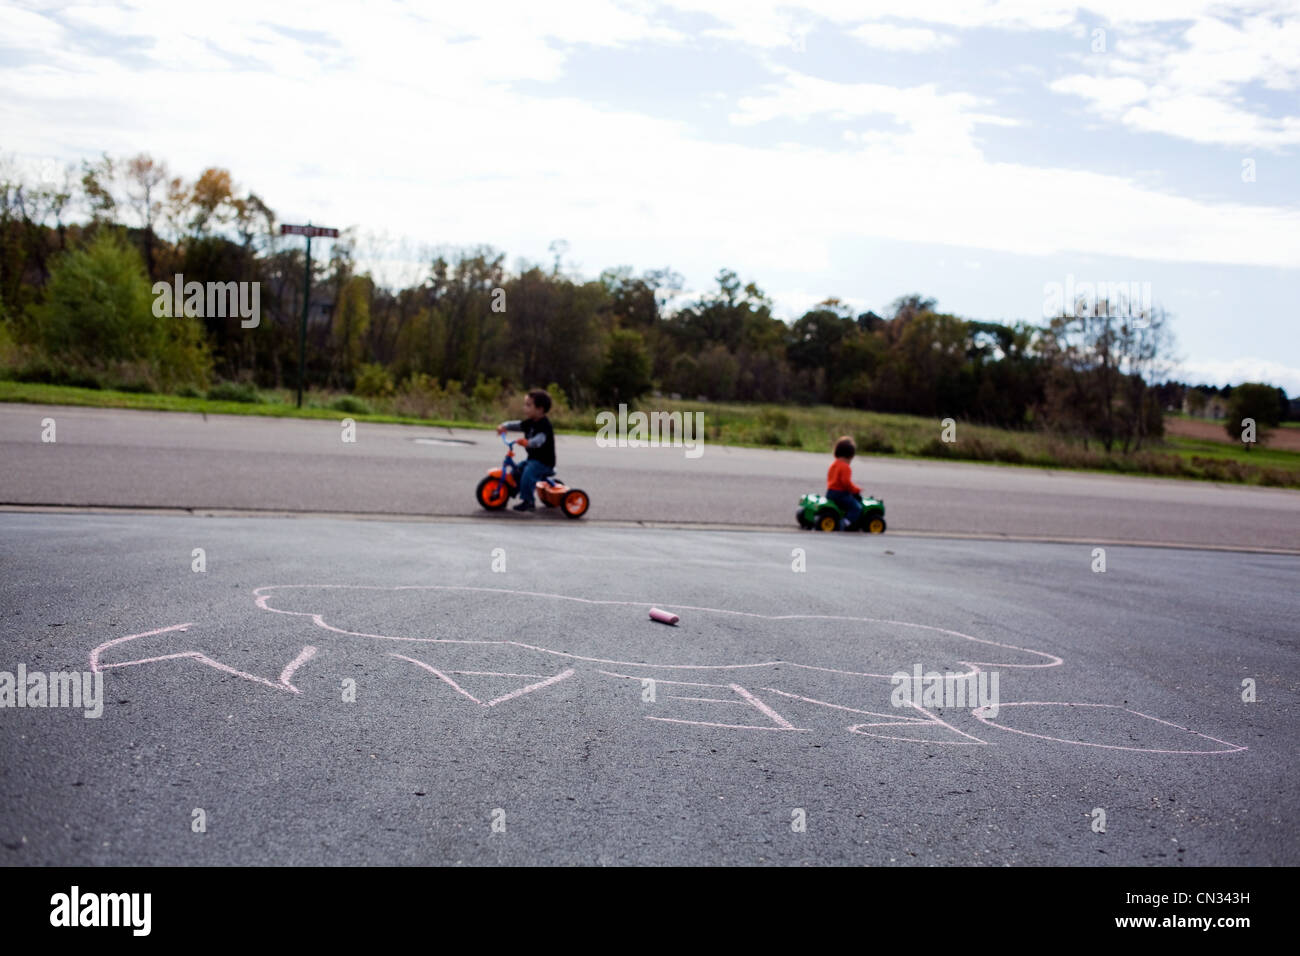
column 308, row 231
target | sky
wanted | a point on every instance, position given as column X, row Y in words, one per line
column 973, row 151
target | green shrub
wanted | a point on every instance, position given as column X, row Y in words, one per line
column 420, row 396
column 138, row 376
column 936, row 448
column 374, row 381
column 234, row 392
column 42, row 371
column 874, row 443
column 1279, row 478
column 1222, row 469
column 99, row 311
column 486, row 391
column 350, row 405
column 1154, row 463
column 560, row 404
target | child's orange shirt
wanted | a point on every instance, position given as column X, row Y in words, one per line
column 840, row 477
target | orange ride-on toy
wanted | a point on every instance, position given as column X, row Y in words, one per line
column 501, row 484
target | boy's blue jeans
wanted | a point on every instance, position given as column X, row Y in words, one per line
column 848, row 503
column 529, row 475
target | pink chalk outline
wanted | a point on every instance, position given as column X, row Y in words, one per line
column 978, row 714
column 893, row 720
column 262, row 599
column 306, row 654
column 563, row 675
column 746, row 700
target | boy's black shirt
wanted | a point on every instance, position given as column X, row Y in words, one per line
column 546, row 453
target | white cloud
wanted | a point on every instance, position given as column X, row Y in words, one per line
column 883, row 36
column 1237, row 371
column 1109, row 94
column 930, row 122
column 757, row 18
column 1195, row 90
column 1191, row 90
column 1203, row 119
column 409, row 127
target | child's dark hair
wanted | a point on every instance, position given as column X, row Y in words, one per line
column 541, row 399
column 844, row 447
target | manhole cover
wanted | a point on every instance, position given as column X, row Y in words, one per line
column 441, row 441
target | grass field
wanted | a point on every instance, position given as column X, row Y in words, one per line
column 810, row 428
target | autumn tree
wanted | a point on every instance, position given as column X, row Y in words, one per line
column 146, row 189
column 211, row 201
column 350, row 327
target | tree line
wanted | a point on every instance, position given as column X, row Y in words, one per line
column 79, row 254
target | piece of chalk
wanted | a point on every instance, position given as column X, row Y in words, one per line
column 663, row 616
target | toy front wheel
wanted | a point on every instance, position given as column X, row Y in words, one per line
column 575, row 503
column 804, row 523
column 492, row 493
column 874, row 524
column 826, row 520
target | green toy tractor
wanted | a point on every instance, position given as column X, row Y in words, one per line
column 817, row 512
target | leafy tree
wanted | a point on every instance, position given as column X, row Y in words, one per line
column 350, row 325
column 1252, row 400
column 98, row 311
column 461, row 293
column 907, row 306
column 211, row 200
column 817, row 334
column 98, row 184
column 625, row 376
column 1099, row 364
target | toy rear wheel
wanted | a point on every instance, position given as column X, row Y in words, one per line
column 826, row 520
column 492, row 493
column 575, row 503
column 874, row 524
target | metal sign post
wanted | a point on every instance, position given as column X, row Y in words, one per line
column 308, row 230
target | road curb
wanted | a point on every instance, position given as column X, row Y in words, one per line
column 15, row 508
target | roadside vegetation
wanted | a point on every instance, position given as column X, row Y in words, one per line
column 459, row 337
column 811, row 429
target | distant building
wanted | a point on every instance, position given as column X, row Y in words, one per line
column 1214, row 407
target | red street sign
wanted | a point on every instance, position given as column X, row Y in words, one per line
column 308, row 231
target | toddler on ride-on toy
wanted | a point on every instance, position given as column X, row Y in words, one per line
column 539, row 439
column 842, row 507
column 839, row 482
column 536, row 476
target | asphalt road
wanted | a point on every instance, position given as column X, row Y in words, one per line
column 520, row 696
column 105, row 457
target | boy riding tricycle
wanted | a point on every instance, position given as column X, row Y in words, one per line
column 536, row 476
